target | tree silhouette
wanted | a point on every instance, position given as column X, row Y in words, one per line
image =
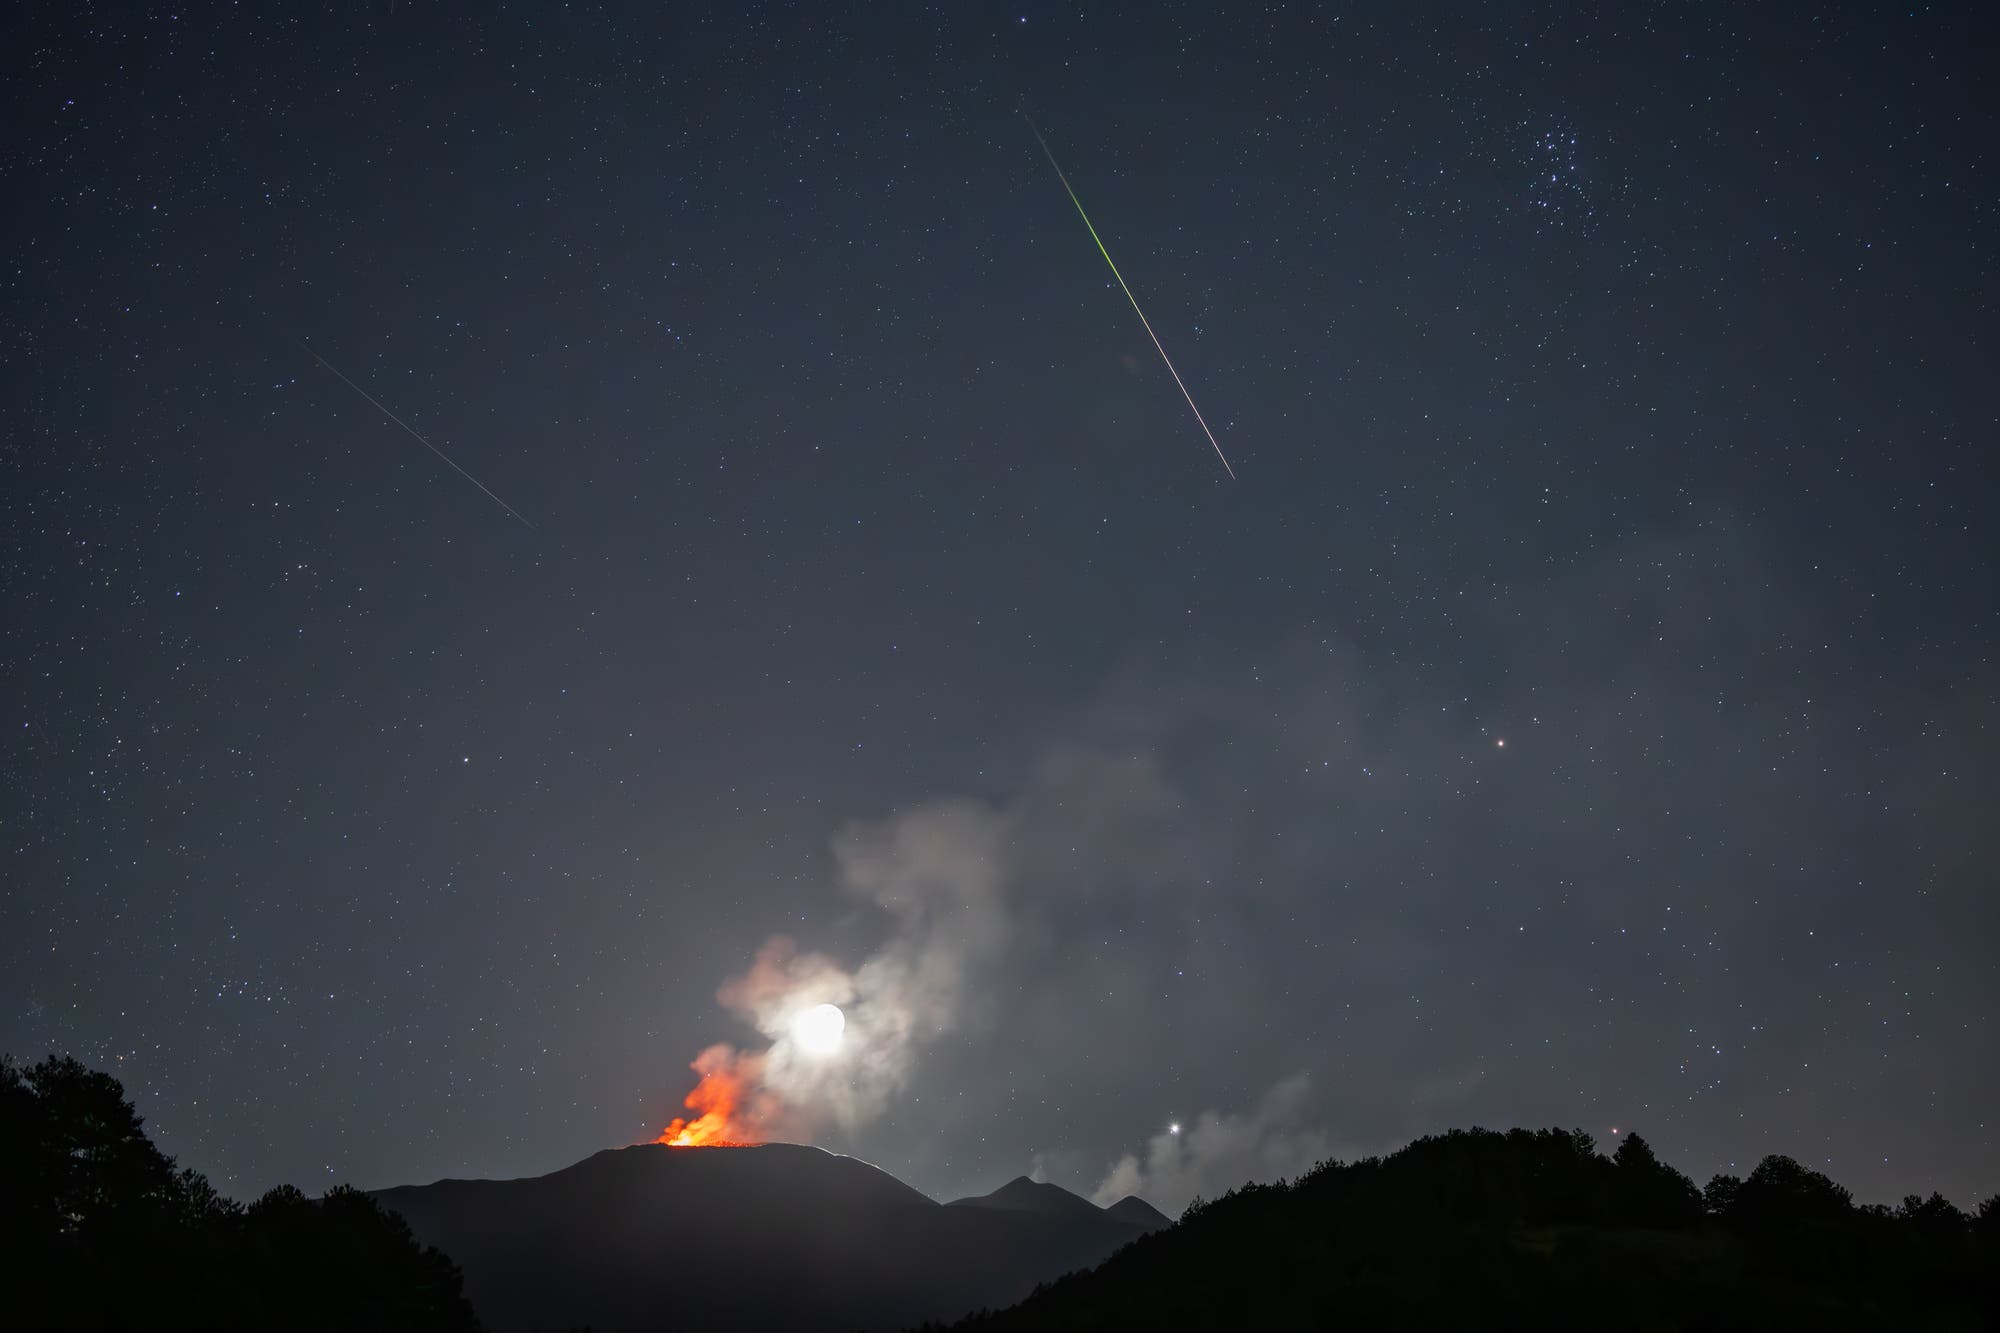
column 75, row 1153
column 1780, row 1191
column 1936, row 1215
column 1719, row 1195
column 1650, row 1193
column 109, row 1235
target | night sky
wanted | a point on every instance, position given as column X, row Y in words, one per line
column 1581, row 711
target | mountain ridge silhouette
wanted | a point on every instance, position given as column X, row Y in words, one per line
column 1022, row 1195
column 774, row 1236
column 1139, row 1213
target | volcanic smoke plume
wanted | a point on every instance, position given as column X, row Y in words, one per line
column 936, row 873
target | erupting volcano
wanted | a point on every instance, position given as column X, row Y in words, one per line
column 722, row 1100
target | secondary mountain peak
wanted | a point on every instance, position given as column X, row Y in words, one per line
column 1023, row 1195
column 1139, row 1213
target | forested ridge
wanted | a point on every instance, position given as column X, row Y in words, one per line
column 1538, row 1230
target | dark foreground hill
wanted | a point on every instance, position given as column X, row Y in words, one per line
column 770, row 1237
column 98, row 1230
column 1472, row 1231
column 1479, row 1230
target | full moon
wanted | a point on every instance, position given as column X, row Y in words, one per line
column 817, row 1030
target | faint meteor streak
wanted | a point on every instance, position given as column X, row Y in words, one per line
column 415, row 435
column 1128, row 294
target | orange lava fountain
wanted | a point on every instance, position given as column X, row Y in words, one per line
column 721, row 1102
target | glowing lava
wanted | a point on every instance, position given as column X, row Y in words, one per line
column 720, row 1100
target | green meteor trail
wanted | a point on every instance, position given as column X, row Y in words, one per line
column 1032, row 128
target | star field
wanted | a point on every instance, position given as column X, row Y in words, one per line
column 1611, row 385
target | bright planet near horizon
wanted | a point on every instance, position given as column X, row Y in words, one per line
column 818, row 1030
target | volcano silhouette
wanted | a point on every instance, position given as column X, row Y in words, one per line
column 777, row 1237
